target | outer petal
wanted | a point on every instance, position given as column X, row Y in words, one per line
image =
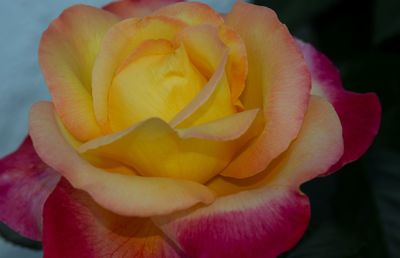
column 67, row 52
column 278, row 81
column 136, row 8
column 318, row 146
column 75, row 226
column 257, row 224
column 360, row 114
column 265, row 215
column 124, row 194
column 25, row 184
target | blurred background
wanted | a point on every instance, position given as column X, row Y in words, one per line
column 356, row 212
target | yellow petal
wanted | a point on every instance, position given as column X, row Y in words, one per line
column 127, row 195
column 278, row 81
column 67, row 52
column 191, row 13
column 318, row 146
column 119, row 42
column 153, row 84
column 197, row 153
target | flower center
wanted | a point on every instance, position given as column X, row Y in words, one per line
column 156, row 80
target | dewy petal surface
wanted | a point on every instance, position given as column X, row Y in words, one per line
column 278, row 81
column 265, row 215
column 124, row 194
column 360, row 114
column 76, row 226
column 67, row 52
column 136, row 8
column 25, row 184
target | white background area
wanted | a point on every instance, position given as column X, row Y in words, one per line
column 21, row 82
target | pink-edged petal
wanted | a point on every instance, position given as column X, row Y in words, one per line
column 261, row 223
column 67, row 52
column 265, row 215
column 278, row 81
column 360, row 114
column 125, row 194
column 136, row 8
column 75, row 226
column 318, row 146
column 25, row 184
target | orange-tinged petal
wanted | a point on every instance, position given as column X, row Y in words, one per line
column 204, row 47
column 67, row 52
column 136, row 8
column 127, row 195
column 278, row 81
column 155, row 85
column 196, row 154
column 119, row 42
column 205, row 43
column 237, row 67
column 191, row 13
column 318, row 146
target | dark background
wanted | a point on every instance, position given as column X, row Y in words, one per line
column 355, row 212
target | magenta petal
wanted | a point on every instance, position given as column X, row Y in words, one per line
column 76, row 227
column 260, row 223
column 360, row 114
column 25, row 184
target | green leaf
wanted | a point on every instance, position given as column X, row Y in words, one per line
column 386, row 20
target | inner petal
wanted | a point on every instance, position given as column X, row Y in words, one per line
column 157, row 80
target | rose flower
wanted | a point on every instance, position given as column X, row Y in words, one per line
column 174, row 131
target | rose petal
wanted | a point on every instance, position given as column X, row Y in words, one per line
column 256, row 224
column 136, row 8
column 265, row 215
column 123, row 194
column 318, row 146
column 278, row 81
column 156, row 84
column 67, row 52
column 225, row 129
column 360, row 114
column 213, row 101
column 25, row 184
column 119, row 42
column 196, row 154
column 191, row 13
column 205, row 43
column 75, row 226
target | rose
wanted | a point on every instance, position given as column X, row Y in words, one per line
column 212, row 150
